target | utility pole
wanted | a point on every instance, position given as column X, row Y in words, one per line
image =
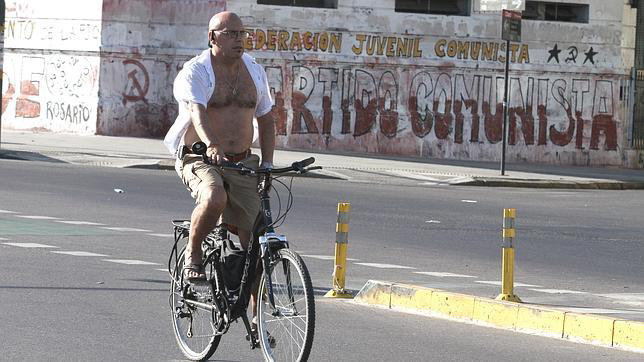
column 511, row 31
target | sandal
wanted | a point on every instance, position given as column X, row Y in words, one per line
column 194, row 273
column 253, row 330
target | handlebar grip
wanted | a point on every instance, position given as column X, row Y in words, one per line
column 305, row 162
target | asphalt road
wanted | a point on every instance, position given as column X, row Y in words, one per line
column 59, row 304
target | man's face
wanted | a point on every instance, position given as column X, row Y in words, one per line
column 229, row 39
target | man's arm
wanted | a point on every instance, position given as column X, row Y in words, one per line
column 266, row 130
column 204, row 130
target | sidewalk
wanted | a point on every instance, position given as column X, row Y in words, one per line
column 151, row 153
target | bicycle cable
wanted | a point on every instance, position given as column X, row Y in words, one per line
column 281, row 218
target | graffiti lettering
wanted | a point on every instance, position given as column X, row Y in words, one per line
column 303, row 84
column 72, row 113
column 486, row 51
column 449, row 105
column 389, row 46
column 19, row 29
column 32, row 73
column 284, row 40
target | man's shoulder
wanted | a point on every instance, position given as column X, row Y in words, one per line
column 197, row 63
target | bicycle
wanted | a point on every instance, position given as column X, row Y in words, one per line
column 203, row 312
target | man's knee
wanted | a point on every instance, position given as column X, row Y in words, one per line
column 213, row 198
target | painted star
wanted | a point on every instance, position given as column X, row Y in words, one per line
column 554, row 53
column 589, row 55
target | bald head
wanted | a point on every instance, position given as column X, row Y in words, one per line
column 224, row 20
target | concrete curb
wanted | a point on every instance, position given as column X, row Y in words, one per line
column 553, row 184
column 520, row 317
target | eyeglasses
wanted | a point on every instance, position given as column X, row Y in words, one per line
column 233, row 33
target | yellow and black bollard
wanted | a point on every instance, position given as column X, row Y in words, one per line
column 507, row 274
column 340, row 264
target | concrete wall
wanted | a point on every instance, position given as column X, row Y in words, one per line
column 357, row 78
column 50, row 67
column 432, row 86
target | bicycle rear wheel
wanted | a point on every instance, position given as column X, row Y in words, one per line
column 193, row 325
column 286, row 330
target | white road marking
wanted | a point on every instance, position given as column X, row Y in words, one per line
column 163, row 270
column 469, row 201
column 126, row 229
column 385, row 266
column 558, row 291
column 78, row 253
column 634, row 299
column 37, row 217
column 3, row 239
column 162, row 235
column 604, row 311
column 414, row 175
column 325, row 257
column 432, row 221
column 494, row 282
column 30, row 245
column 7, row 212
column 130, row 262
column 75, row 222
column 442, row 275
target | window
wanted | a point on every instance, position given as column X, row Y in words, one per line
column 329, row 4
column 441, row 7
column 541, row 10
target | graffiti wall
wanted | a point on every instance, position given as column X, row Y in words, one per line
column 50, row 68
column 398, row 86
column 358, row 78
column 449, row 113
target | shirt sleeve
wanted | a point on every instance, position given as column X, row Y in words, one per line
column 192, row 85
column 265, row 102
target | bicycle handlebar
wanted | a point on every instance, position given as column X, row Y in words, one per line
column 199, row 148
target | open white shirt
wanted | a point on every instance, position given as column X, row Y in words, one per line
column 195, row 83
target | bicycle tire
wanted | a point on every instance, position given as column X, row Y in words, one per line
column 203, row 342
column 286, row 331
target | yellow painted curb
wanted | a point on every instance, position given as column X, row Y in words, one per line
column 496, row 313
column 453, row 305
column 411, row 297
column 513, row 316
column 549, row 322
column 588, row 327
column 629, row 334
column 376, row 293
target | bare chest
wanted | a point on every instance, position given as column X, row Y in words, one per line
column 231, row 90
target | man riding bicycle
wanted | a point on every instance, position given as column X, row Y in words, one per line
column 219, row 93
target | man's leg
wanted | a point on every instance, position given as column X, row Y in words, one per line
column 212, row 201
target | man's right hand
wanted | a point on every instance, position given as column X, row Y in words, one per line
column 215, row 155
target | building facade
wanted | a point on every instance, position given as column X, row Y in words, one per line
column 408, row 77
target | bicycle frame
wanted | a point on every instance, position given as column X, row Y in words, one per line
column 264, row 240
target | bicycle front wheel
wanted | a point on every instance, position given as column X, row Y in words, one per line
column 285, row 330
column 193, row 323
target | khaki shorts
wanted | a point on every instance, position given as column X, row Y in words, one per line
column 243, row 202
